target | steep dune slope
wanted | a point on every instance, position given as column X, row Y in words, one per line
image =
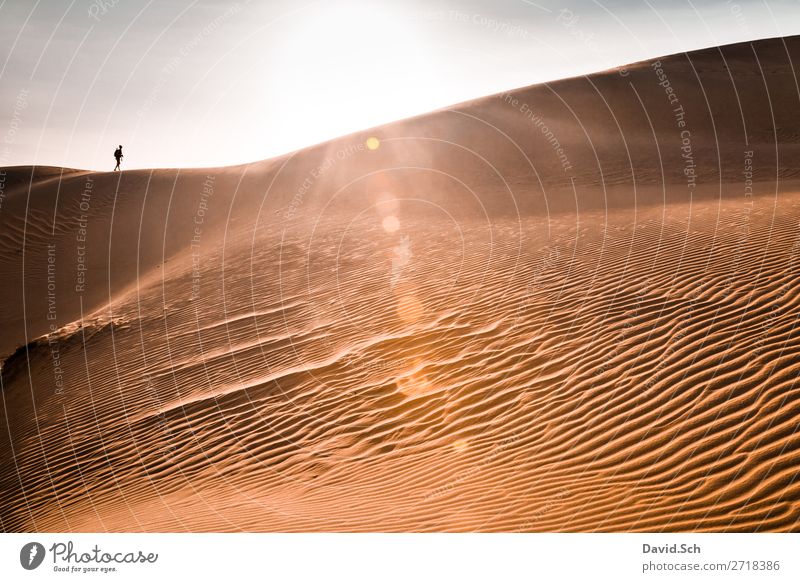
column 569, row 307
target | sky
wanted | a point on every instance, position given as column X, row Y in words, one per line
column 217, row 82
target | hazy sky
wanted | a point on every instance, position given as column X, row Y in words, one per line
column 214, row 82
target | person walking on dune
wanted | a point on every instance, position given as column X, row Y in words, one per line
column 118, row 155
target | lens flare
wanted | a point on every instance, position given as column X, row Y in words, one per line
column 391, row 224
column 460, row 445
column 409, row 308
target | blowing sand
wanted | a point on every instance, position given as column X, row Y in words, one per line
column 571, row 307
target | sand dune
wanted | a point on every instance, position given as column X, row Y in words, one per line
column 571, row 307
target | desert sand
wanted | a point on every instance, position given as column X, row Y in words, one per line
column 571, row 307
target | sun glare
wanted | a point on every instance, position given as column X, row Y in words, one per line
column 347, row 66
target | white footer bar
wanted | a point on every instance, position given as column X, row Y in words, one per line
column 401, row 557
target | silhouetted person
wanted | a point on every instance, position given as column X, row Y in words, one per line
column 118, row 155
